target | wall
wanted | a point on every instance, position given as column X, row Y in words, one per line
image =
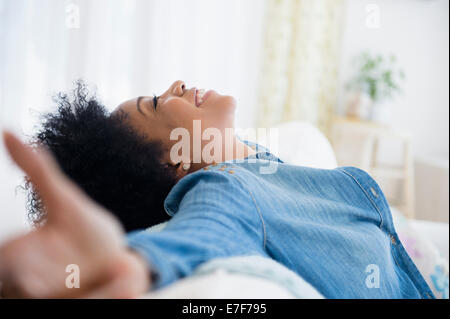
column 432, row 189
column 417, row 32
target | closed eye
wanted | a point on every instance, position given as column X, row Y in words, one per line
column 155, row 101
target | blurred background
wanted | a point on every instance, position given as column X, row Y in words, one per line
column 372, row 76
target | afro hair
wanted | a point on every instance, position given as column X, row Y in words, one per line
column 114, row 165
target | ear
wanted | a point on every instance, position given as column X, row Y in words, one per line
column 182, row 169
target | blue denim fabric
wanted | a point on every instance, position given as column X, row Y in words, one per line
column 331, row 227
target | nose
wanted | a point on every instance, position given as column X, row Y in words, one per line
column 178, row 88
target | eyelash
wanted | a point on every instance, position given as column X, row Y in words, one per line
column 155, row 101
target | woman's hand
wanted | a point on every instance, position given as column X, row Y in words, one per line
column 77, row 231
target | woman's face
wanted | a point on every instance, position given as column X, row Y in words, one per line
column 178, row 107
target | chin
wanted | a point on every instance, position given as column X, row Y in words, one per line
column 228, row 102
column 222, row 103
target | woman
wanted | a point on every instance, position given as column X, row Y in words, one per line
column 332, row 227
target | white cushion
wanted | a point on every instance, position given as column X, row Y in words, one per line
column 301, row 143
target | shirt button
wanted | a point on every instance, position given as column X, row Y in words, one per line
column 374, row 192
column 393, row 241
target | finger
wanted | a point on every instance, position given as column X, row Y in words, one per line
column 43, row 171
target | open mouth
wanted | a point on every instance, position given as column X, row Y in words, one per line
column 199, row 94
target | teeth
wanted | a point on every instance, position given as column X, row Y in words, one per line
column 200, row 94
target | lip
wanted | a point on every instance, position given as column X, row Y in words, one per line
column 204, row 98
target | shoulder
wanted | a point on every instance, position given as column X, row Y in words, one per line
column 355, row 173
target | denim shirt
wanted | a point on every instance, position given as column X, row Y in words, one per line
column 331, row 227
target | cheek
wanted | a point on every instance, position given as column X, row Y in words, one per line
column 218, row 113
column 179, row 113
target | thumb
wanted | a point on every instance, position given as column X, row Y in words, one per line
column 43, row 171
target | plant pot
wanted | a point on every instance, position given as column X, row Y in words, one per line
column 381, row 113
column 359, row 105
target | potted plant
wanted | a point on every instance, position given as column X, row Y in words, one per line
column 375, row 82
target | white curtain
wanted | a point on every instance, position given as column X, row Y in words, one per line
column 300, row 61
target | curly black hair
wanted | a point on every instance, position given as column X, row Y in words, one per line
column 116, row 166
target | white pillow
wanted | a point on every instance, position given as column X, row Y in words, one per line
column 301, row 143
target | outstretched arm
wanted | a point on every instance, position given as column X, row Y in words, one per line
column 77, row 231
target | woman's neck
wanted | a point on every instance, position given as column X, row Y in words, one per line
column 230, row 151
